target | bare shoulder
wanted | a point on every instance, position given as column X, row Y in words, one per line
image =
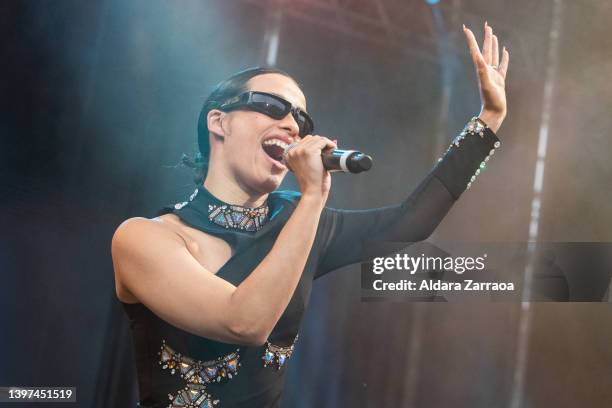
column 137, row 240
column 140, row 230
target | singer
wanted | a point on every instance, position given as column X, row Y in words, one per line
column 216, row 287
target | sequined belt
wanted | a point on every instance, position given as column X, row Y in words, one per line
column 198, row 374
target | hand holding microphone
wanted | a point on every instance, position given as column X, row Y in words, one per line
column 348, row 161
column 303, row 158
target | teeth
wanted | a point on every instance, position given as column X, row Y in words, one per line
column 276, row 142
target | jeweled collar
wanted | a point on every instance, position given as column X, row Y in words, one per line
column 228, row 216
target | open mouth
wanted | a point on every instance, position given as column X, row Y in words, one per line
column 275, row 149
column 275, row 152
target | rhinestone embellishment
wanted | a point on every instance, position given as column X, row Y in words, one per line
column 474, row 127
column 276, row 356
column 192, row 396
column 233, row 216
column 178, row 206
column 198, row 374
column 237, row 217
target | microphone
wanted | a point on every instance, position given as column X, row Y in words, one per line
column 348, row 161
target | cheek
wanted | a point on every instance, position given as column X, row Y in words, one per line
column 243, row 146
column 256, row 122
column 247, row 133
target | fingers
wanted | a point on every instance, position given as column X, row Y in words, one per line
column 503, row 66
column 308, row 147
column 315, row 142
column 322, row 143
column 477, row 57
column 487, row 46
column 495, row 61
column 490, row 50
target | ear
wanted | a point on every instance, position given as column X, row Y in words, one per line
column 214, row 120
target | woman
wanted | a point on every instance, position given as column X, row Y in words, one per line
column 216, row 287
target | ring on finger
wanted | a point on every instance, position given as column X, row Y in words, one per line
column 291, row 146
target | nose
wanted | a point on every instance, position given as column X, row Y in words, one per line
column 289, row 124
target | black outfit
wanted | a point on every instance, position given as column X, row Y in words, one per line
column 342, row 238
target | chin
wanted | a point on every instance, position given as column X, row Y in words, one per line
column 265, row 183
column 271, row 184
column 269, row 178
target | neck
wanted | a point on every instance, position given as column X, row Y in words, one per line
column 231, row 191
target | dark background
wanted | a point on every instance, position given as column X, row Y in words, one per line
column 100, row 99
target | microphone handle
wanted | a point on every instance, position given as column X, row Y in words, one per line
column 349, row 161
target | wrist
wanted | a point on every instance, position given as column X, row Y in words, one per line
column 314, row 197
column 493, row 120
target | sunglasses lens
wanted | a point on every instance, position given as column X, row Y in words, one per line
column 270, row 106
column 278, row 108
column 304, row 122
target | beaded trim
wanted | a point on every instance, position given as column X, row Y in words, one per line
column 276, row 356
column 235, row 216
column 178, row 206
column 474, row 127
column 198, row 375
column 192, row 396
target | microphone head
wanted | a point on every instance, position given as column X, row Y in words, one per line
column 359, row 162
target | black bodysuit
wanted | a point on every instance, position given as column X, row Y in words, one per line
column 176, row 368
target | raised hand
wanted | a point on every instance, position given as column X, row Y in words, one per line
column 491, row 75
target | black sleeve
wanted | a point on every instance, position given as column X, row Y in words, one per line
column 351, row 236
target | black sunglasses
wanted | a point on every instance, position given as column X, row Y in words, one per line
column 272, row 106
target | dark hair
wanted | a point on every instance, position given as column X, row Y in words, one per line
column 225, row 90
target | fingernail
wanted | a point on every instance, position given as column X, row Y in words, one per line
column 464, row 27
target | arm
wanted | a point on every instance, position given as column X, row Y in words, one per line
column 155, row 265
column 352, row 235
column 355, row 235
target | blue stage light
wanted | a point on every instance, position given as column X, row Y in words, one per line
column 432, row 2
